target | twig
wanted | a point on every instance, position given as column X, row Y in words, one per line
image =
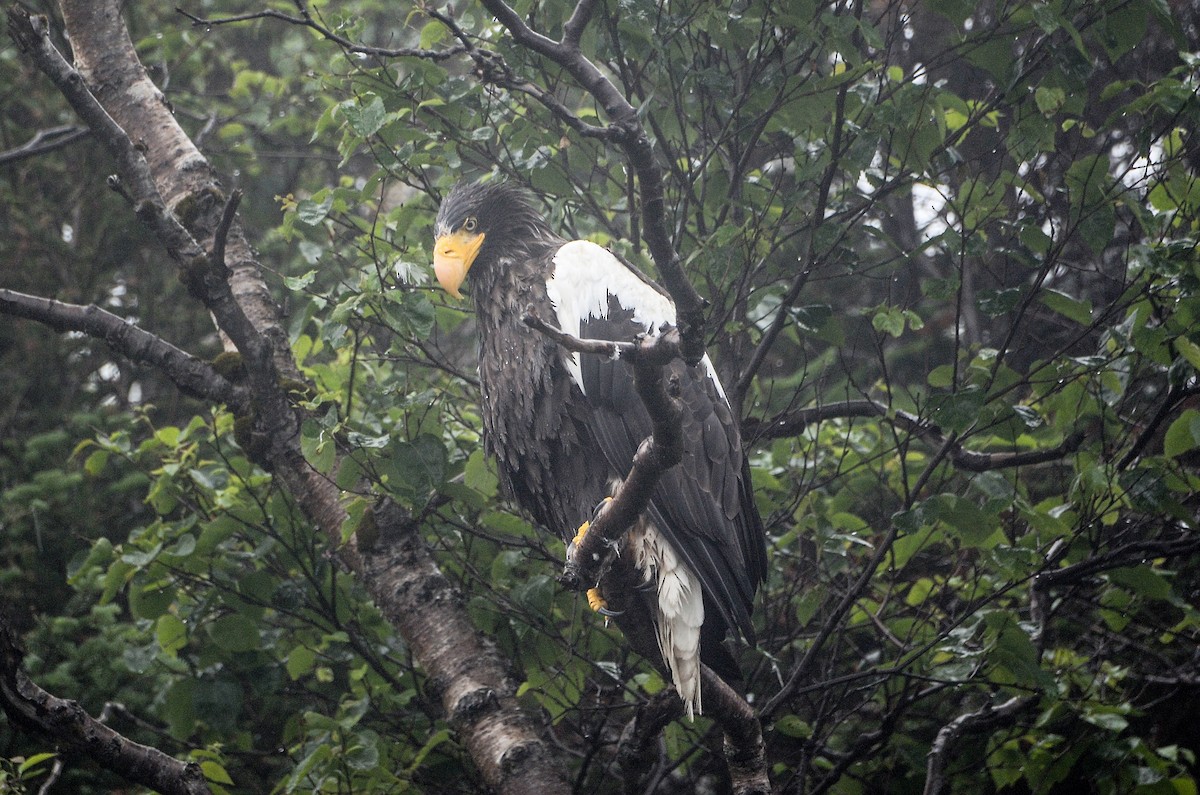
column 217, row 257
column 45, row 141
column 306, row 20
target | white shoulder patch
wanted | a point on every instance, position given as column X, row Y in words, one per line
column 585, row 275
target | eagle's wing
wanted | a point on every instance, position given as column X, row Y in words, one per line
column 704, row 507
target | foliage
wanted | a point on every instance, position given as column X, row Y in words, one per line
column 982, row 217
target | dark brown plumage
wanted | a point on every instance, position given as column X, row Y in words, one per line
column 562, row 428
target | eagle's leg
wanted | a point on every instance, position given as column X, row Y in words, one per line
column 595, row 600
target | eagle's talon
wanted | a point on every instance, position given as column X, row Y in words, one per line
column 583, row 528
column 596, row 601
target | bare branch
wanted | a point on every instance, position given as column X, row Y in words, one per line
column 793, row 422
column 193, row 376
column 45, row 141
column 217, row 257
column 573, row 28
column 987, row 717
column 306, row 20
column 613, row 349
column 32, row 708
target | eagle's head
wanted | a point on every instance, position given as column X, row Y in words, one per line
column 479, row 222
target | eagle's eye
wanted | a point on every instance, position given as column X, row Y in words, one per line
column 470, row 224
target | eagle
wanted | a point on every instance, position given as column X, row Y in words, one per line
column 564, row 427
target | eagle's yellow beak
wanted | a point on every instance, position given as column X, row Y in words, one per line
column 452, row 257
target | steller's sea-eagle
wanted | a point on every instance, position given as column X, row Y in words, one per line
column 564, row 427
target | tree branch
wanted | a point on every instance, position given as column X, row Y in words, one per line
column 306, row 20
column 491, row 68
column 193, row 376
column 948, row 737
column 793, row 423
column 745, row 751
column 32, row 35
column 45, row 141
column 1132, row 553
column 639, row 149
column 32, row 708
column 588, row 561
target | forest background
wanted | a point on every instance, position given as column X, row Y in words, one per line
column 947, row 257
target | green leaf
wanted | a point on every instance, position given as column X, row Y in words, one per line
column 1049, row 100
column 1183, row 435
column 1143, row 581
column 300, row 661
column 436, row 739
column 793, row 726
column 312, row 212
column 33, row 761
column 1187, row 349
column 235, row 633
column 214, row 772
column 941, row 377
column 171, row 634
column 1077, row 309
column 432, row 33
column 364, row 119
column 95, row 463
column 889, row 319
column 298, row 283
column 479, row 476
column 318, row 446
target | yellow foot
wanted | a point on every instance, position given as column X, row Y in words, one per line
column 583, row 528
column 596, row 601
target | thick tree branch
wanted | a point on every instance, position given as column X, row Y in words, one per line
column 793, row 423
column 32, row 708
column 193, row 376
column 745, row 751
column 32, row 35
